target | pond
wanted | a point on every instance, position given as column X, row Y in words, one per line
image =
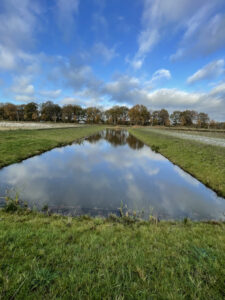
column 107, row 171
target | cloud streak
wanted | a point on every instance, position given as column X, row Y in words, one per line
column 209, row 71
column 66, row 12
column 203, row 29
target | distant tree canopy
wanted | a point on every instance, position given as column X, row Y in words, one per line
column 30, row 112
column 116, row 115
column 51, row 112
column 139, row 115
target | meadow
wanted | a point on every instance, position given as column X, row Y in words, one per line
column 56, row 257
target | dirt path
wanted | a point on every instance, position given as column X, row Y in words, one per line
column 34, row 125
column 194, row 137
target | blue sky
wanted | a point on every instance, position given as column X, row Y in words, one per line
column 160, row 53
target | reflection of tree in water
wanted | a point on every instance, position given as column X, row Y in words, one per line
column 134, row 143
column 116, row 137
column 95, row 138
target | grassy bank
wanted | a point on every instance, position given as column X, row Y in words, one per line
column 16, row 145
column 205, row 162
column 57, row 257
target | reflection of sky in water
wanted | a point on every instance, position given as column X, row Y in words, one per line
column 105, row 170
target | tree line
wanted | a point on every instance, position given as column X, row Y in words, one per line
column 117, row 115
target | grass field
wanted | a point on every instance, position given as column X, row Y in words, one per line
column 55, row 257
column 205, row 162
column 16, row 145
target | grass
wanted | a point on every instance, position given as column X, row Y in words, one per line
column 16, row 145
column 205, row 162
column 55, row 257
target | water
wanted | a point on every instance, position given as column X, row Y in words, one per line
column 99, row 173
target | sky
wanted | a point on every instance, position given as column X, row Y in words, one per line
column 160, row 53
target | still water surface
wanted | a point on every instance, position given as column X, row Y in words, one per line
column 99, row 173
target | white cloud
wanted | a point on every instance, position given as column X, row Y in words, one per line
column 17, row 23
column 122, row 89
column 18, row 26
column 107, row 53
column 100, row 24
column 23, row 86
column 173, row 98
column 22, row 90
column 130, row 91
column 7, row 59
column 161, row 74
column 209, row 71
column 203, row 27
column 135, row 63
column 218, row 91
column 66, row 13
column 51, row 94
column 69, row 100
column 24, row 98
column 79, row 76
column 83, row 100
column 204, row 39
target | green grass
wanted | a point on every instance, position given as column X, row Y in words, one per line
column 16, row 145
column 205, row 162
column 55, row 257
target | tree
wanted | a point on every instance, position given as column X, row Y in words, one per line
column 164, row 118
column 93, row 115
column 117, row 115
column 79, row 113
column 50, row 111
column 93, row 139
column 20, row 112
column 1, row 111
column 155, row 117
column 134, row 143
column 203, row 119
column 31, row 112
column 116, row 137
column 139, row 115
column 123, row 119
column 67, row 113
column 176, row 117
column 10, row 112
column 188, row 117
column 112, row 115
column 212, row 124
